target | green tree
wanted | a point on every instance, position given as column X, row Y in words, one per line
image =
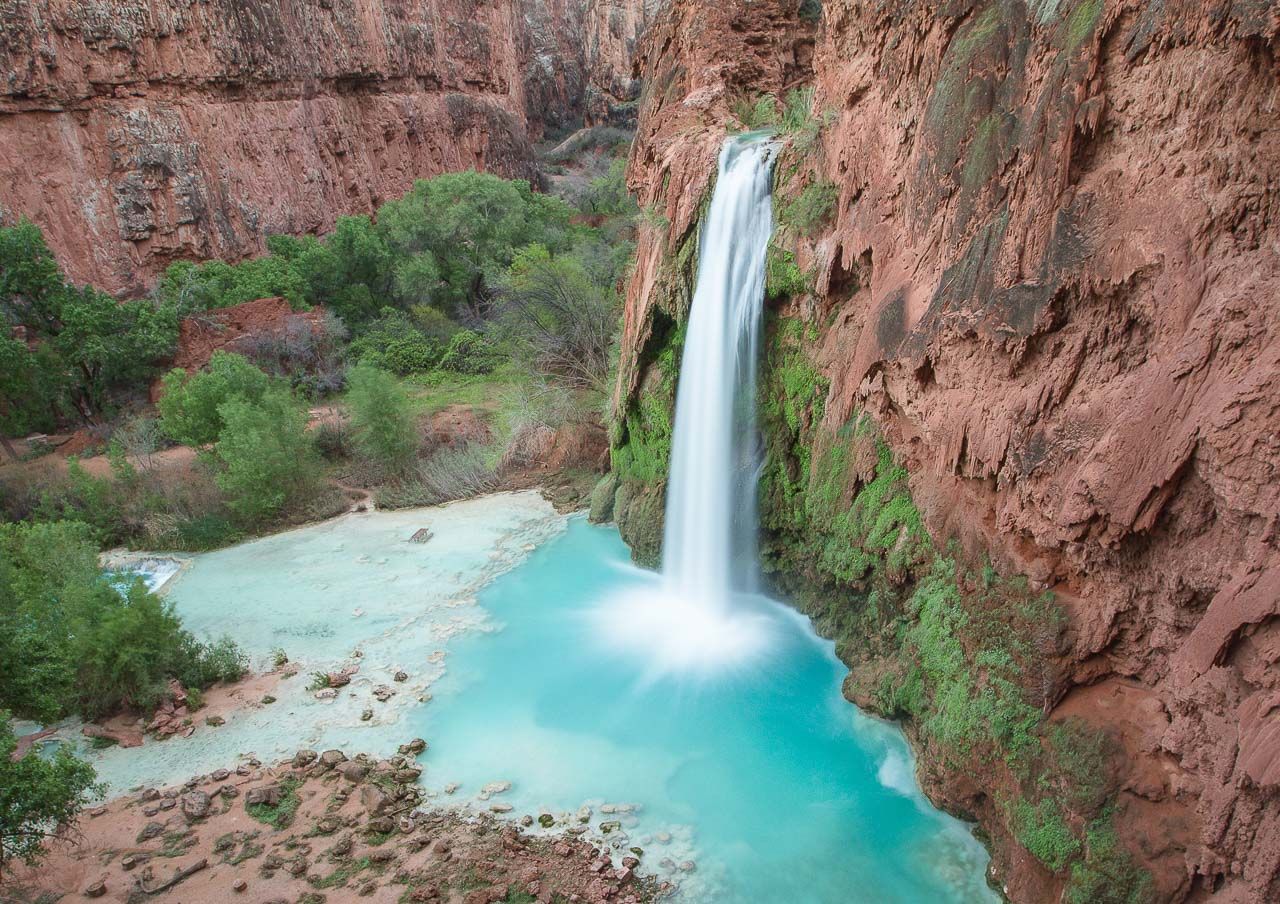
column 385, row 429
column 28, row 390
column 455, row 233
column 193, row 287
column 267, row 459
column 189, row 403
column 39, row 798
column 350, row 272
column 94, row 344
column 558, row 315
column 74, row 639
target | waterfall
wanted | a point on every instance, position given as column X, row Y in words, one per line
column 701, row 616
column 709, row 546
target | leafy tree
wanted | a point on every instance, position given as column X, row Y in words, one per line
column 39, row 798
column 29, row 390
column 350, row 272
column 190, row 403
column 77, row 640
column 196, row 287
column 267, row 459
column 558, row 316
column 453, row 234
column 385, row 429
column 393, row 342
column 87, row 340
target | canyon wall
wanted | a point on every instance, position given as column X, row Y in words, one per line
column 142, row 132
column 1039, row 311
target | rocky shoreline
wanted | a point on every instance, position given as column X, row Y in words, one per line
column 327, row 827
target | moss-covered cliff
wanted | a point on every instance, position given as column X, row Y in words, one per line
column 1019, row 401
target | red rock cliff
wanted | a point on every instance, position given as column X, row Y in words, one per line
column 1052, row 275
column 139, row 132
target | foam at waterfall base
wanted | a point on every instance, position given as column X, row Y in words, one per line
column 670, row 632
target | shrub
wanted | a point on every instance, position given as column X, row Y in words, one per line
column 189, row 403
column 812, row 208
column 268, row 460
column 468, row 353
column 1107, row 874
column 451, row 473
column 385, row 428
column 1042, row 830
column 759, row 112
column 783, row 277
column 39, row 797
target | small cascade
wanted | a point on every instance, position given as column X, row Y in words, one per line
column 710, row 540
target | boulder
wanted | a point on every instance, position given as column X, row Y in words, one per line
column 383, row 825
column 264, row 795
column 304, row 758
column 122, row 737
column 96, row 890
column 331, row 758
column 338, row 679
column 353, row 771
column 195, row 805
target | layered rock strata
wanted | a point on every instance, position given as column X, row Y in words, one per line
column 138, row 133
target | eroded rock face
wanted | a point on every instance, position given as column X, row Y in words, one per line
column 1051, row 275
column 138, row 133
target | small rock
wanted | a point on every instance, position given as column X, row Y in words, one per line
column 381, row 855
column 451, row 787
column 149, row 831
column 220, row 775
column 168, row 804
column 338, row 679
column 501, row 808
column 546, row 820
column 268, row 700
column 383, row 693
column 526, row 820
column 415, row 747
column 401, row 676
column 128, row 862
column 366, row 715
column 151, row 794
column 239, row 886
column 327, row 693
column 407, row 776
column 382, row 825
column 96, row 890
column 688, row 866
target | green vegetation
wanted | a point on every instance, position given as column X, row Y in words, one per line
column 78, row 641
column 1107, row 874
column 810, row 209
column 386, row 433
column 783, row 276
column 280, row 814
column 1042, row 830
column 39, row 797
column 87, row 346
column 758, row 112
column 190, row 404
column 267, row 458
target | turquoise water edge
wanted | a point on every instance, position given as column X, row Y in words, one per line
column 754, row 783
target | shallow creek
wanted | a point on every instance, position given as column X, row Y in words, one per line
column 756, row 782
